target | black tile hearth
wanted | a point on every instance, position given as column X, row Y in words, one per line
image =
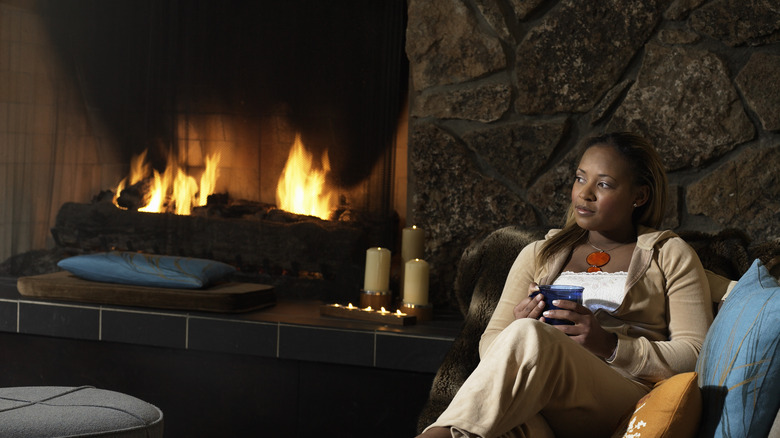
column 144, row 328
column 8, row 312
column 284, row 370
column 290, row 330
column 65, row 321
column 410, row 353
column 232, row 336
column 326, row 345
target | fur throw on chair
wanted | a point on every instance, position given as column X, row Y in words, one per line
column 483, row 268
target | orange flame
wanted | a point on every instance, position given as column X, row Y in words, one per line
column 208, row 181
column 159, row 190
column 139, row 169
column 174, row 187
column 302, row 187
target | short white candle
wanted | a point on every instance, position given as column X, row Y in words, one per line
column 412, row 243
column 377, row 276
column 416, row 282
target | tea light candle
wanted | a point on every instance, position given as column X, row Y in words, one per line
column 416, row 282
column 412, row 243
column 377, row 276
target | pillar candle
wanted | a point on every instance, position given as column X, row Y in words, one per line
column 377, row 277
column 412, row 243
column 412, row 247
column 416, row 282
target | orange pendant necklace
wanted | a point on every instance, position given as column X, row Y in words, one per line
column 600, row 257
column 597, row 259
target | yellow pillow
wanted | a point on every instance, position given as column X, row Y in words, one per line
column 671, row 410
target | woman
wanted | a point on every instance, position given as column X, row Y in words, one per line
column 646, row 310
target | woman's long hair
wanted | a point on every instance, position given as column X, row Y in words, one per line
column 648, row 170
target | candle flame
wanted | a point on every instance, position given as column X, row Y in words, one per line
column 398, row 313
column 383, row 311
column 368, row 309
column 350, row 306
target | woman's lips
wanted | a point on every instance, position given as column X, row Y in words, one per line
column 583, row 210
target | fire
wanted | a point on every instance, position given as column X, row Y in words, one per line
column 159, row 193
column 208, row 180
column 174, row 189
column 302, row 186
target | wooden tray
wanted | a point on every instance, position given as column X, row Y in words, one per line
column 225, row 297
column 365, row 315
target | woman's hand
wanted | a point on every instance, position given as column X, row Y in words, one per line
column 586, row 330
column 530, row 307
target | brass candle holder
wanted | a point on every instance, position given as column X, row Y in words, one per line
column 375, row 299
column 423, row 312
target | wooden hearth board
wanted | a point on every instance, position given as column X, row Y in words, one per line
column 225, row 297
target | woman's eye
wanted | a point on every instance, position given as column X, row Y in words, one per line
column 579, row 179
column 604, row 184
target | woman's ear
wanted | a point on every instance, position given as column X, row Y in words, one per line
column 642, row 195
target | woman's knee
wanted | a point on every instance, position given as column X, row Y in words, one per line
column 527, row 328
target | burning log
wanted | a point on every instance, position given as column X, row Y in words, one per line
column 324, row 257
column 221, row 205
column 136, row 196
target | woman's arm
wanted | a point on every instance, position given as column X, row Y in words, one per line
column 688, row 317
column 520, row 276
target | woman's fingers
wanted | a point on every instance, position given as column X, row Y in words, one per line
column 531, row 306
column 536, row 307
column 569, row 305
column 568, row 310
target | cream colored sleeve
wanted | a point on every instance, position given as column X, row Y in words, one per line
column 515, row 289
column 689, row 315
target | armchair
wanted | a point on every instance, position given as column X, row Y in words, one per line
column 485, row 264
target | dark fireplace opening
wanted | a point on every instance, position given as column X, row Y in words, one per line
column 184, row 80
column 209, row 75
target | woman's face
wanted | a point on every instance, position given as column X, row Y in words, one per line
column 604, row 193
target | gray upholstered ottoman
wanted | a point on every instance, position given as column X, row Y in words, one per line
column 55, row 411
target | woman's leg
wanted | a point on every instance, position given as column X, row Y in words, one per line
column 536, row 427
column 533, row 368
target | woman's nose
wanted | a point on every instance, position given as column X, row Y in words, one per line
column 586, row 193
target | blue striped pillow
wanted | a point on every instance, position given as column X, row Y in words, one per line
column 739, row 371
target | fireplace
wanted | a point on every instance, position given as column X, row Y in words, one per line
column 181, row 81
column 243, row 79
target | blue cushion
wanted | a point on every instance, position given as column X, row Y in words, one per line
column 739, row 373
column 146, row 270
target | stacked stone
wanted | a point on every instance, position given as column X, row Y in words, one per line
column 503, row 91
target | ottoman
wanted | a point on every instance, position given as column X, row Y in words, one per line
column 56, row 411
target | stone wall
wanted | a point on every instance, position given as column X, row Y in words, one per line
column 502, row 91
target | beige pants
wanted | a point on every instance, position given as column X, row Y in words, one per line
column 536, row 382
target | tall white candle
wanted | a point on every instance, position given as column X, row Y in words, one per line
column 416, row 282
column 377, row 277
column 412, row 243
